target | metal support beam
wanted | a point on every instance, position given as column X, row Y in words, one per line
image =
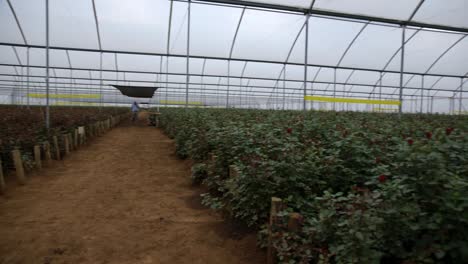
column 27, row 76
column 402, row 65
column 47, row 121
column 188, row 55
column 334, row 14
column 97, row 24
column 461, row 97
column 222, row 59
column 233, row 43
column 306, row 59
column 17, row 22
column 422, row 94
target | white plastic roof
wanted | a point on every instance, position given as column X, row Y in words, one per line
column 246, row 49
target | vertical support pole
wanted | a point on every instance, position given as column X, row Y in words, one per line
column 402, row 68
column 380, row 91
column 422, row 94
column 306, row 61
column 27, row 77
column 228, row 83
column 188, row 54
column 47, row 67
column 284, row 86
column 37, row 157
column 2, row 179
column 432, row 104
column 16, row 154
column 461, row 97
column 334, row 88
column 100, row 81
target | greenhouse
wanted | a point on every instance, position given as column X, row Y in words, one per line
column 241, row 54
column 234, row 131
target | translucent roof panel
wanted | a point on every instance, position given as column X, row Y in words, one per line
column 425, row 48
column 328, row 39
column 133, row 25
column 374, row 47
column 221, row 32
column 451, row 13
column 454, row 61
column 31, row 15
column 138, row 62
column 397, row 9
column 178, row 40
column 266, row 35
column 447, row 83
column 9, row 31
column 76, row 15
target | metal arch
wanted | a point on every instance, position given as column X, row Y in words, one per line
column 344, row 54
column 241, row 78
column 392, row 57
column 233, row 43
column 169, row 29
column 455, row 92
column 97, row 24
column 445, row 52
column 351, row 44
column 17, row 21
column 438, row 58
column 416, row 9
column 289, row 54
column 332, row 14
column 17, row 56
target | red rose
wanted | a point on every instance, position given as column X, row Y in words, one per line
column 429, row 135
column 289, row 130
column 410, row 142
column 382, row 178
column 449, row 131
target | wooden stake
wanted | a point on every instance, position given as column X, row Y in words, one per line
column 2, row 180
column 47, row 156
column 37, row 157
column 16, row 154
column 66, row 144
column 56, row 148
column 233, row 172
column 294, row 222
column 75, row 141
column 276, row 206
column 70, row 142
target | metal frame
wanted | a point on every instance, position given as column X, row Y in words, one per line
column 366, row 20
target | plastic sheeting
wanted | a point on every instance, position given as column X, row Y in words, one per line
column 268, row 48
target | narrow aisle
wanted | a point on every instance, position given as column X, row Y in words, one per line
column 125, row 198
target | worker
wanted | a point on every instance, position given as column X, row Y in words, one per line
column 135, row 109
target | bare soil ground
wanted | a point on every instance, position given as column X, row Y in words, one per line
column 124, row 198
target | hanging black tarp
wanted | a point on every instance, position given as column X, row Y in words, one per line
column 137, row 91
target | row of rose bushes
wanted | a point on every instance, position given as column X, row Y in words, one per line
column 22, row 127
column 372, row 188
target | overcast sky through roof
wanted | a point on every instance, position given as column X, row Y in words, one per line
column 142, row 26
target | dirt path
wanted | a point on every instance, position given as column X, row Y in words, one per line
column 125, row 198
